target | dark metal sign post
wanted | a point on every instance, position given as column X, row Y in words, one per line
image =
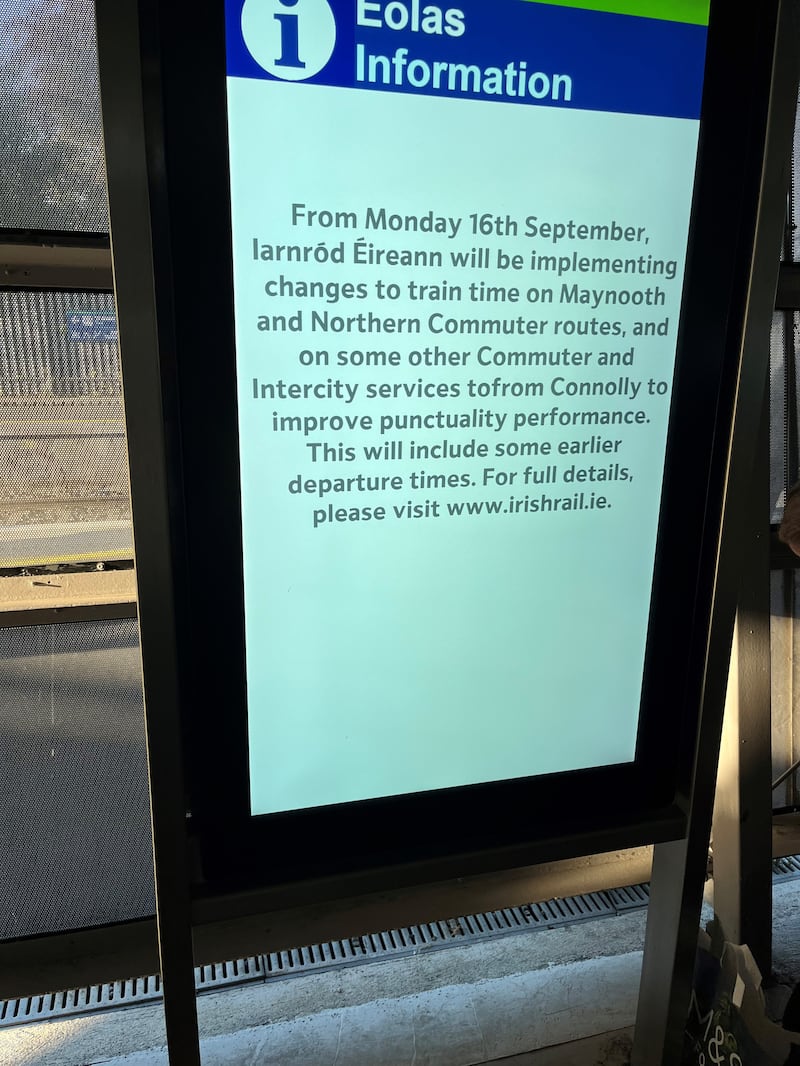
column 141, row 279
column 680, row 866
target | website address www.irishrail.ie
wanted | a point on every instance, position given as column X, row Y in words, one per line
column 576, row 501
column 513, row 505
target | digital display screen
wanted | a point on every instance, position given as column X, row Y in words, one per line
column 459, row 236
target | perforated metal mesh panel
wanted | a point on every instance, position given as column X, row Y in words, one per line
column 59, row 344
column 52, row 171
column 793, row 233
column 63, row 461
column 75, row 830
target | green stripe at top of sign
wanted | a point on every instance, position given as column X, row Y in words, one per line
column 695, row 11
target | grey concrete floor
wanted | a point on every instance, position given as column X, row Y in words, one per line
column 563, row 997
column 471, row 1004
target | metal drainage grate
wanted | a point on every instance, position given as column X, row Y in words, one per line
column 80, row 1000
column 415, row 939
column 391, row 943
column 631, row 898
column 786, row 868
column 127, row 993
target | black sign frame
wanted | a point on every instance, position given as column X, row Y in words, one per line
column 454, row 831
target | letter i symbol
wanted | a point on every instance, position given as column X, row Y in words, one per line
column 272, row 31
column 289, row 56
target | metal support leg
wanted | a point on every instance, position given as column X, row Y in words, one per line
column 141, row 280
column 742, row 826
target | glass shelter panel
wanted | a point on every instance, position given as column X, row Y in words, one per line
column 64, row 494
column 75, row 830
column 51, row 157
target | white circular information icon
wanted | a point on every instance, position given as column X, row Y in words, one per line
column 290, row 39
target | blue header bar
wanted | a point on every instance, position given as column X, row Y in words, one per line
column 506, row 51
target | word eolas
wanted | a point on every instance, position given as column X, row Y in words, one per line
column 413, row 17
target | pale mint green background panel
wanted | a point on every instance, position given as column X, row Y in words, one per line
column 407, row 655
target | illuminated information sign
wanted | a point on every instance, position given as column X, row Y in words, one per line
column 459, row 236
